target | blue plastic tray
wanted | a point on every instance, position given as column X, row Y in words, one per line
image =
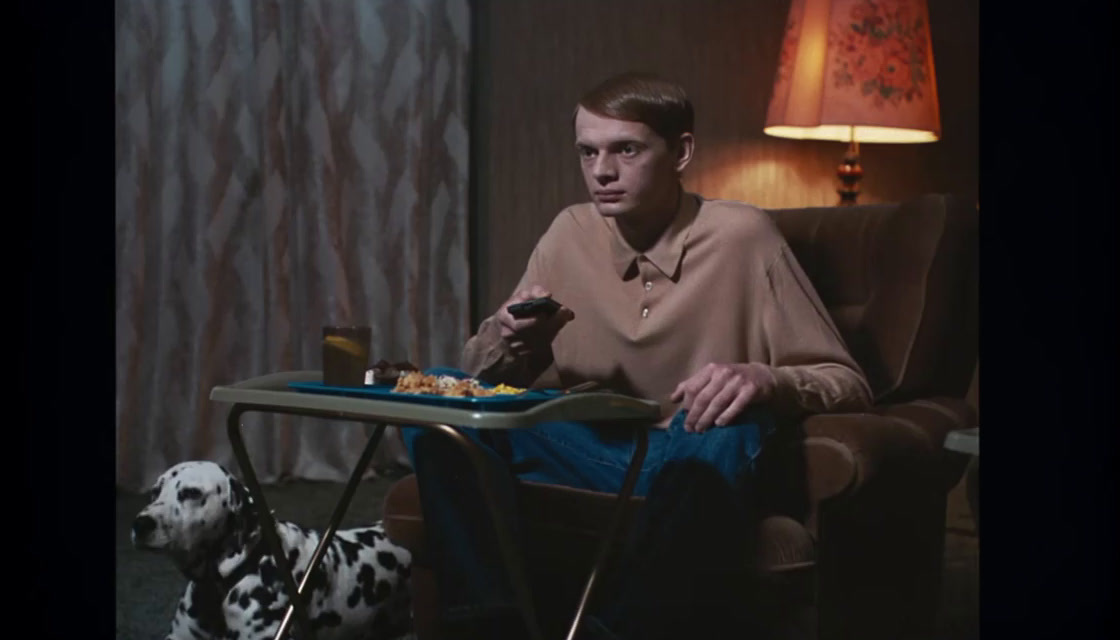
column 519, row 402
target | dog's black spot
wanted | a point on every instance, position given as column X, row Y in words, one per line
column 293, row 555
column 326, row 619
column 363, row 590
column 265, row 598
column 354, row 597
column 174, row 473
column 349, row 550
column 189, row 493
column 372, row 590
column 318, row 579
column 369, row 537
column 366, row 537
column 387, row 560
column 267, row 617
column 269, row 574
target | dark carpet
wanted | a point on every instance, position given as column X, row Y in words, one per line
column 148, row 586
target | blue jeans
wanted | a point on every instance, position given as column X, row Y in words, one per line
column 468, row 563
column 582, row 456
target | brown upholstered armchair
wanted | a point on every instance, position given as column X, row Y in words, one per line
column 853, row 542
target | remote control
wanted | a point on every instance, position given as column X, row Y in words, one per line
column 534, row 307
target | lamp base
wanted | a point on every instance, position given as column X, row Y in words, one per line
column 850, row 173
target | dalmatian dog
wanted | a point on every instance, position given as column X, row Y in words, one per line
column 204, row 519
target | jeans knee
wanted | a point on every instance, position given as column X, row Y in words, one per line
column 688, row 473
column 691, row 505
column 692, row 482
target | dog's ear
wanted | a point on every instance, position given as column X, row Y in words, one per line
column 238, row 495
column 242, row 520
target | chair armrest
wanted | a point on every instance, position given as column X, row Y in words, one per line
column 845, row 451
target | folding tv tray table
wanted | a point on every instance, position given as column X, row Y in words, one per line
column 288, row 393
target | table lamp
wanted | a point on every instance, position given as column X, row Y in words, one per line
column 855, row 71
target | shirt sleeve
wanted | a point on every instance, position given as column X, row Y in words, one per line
column 485, row 351
column 812, row 367
column 488, row 357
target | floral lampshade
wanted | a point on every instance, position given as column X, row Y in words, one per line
column 856, row 71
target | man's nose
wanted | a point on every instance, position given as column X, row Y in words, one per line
column 604, row 169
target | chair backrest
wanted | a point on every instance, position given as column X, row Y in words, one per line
column 900, row 281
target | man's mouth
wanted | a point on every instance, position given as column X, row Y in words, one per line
column 609, row 196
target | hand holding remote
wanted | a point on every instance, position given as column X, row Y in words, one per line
column 531, row 318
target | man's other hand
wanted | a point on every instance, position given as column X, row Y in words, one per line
column 719, row 392
column 533, row 333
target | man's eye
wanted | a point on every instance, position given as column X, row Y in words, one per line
column 586, row 152
column 190, row 493
column 629, row 150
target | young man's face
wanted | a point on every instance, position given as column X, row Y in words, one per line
column 629, row 170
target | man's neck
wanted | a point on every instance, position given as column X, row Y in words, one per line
column 643, row 232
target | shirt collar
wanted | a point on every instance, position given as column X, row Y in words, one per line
column 667, row 252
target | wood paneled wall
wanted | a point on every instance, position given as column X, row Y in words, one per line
column 534, row 58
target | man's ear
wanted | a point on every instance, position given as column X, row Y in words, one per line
column 684, row 151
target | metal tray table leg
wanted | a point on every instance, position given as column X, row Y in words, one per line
column 513, row 561
column 624, row 494
column 296, row 603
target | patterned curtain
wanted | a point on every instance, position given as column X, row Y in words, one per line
column 281, row 166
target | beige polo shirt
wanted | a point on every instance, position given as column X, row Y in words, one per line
column 721, row 285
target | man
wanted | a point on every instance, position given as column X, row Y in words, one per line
column 698, row 304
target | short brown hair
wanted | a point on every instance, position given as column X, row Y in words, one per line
column 661, row 105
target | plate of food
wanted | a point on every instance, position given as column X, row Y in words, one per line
column 441, row 390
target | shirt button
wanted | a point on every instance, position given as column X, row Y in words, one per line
column 645, row 312
column 649, row 285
